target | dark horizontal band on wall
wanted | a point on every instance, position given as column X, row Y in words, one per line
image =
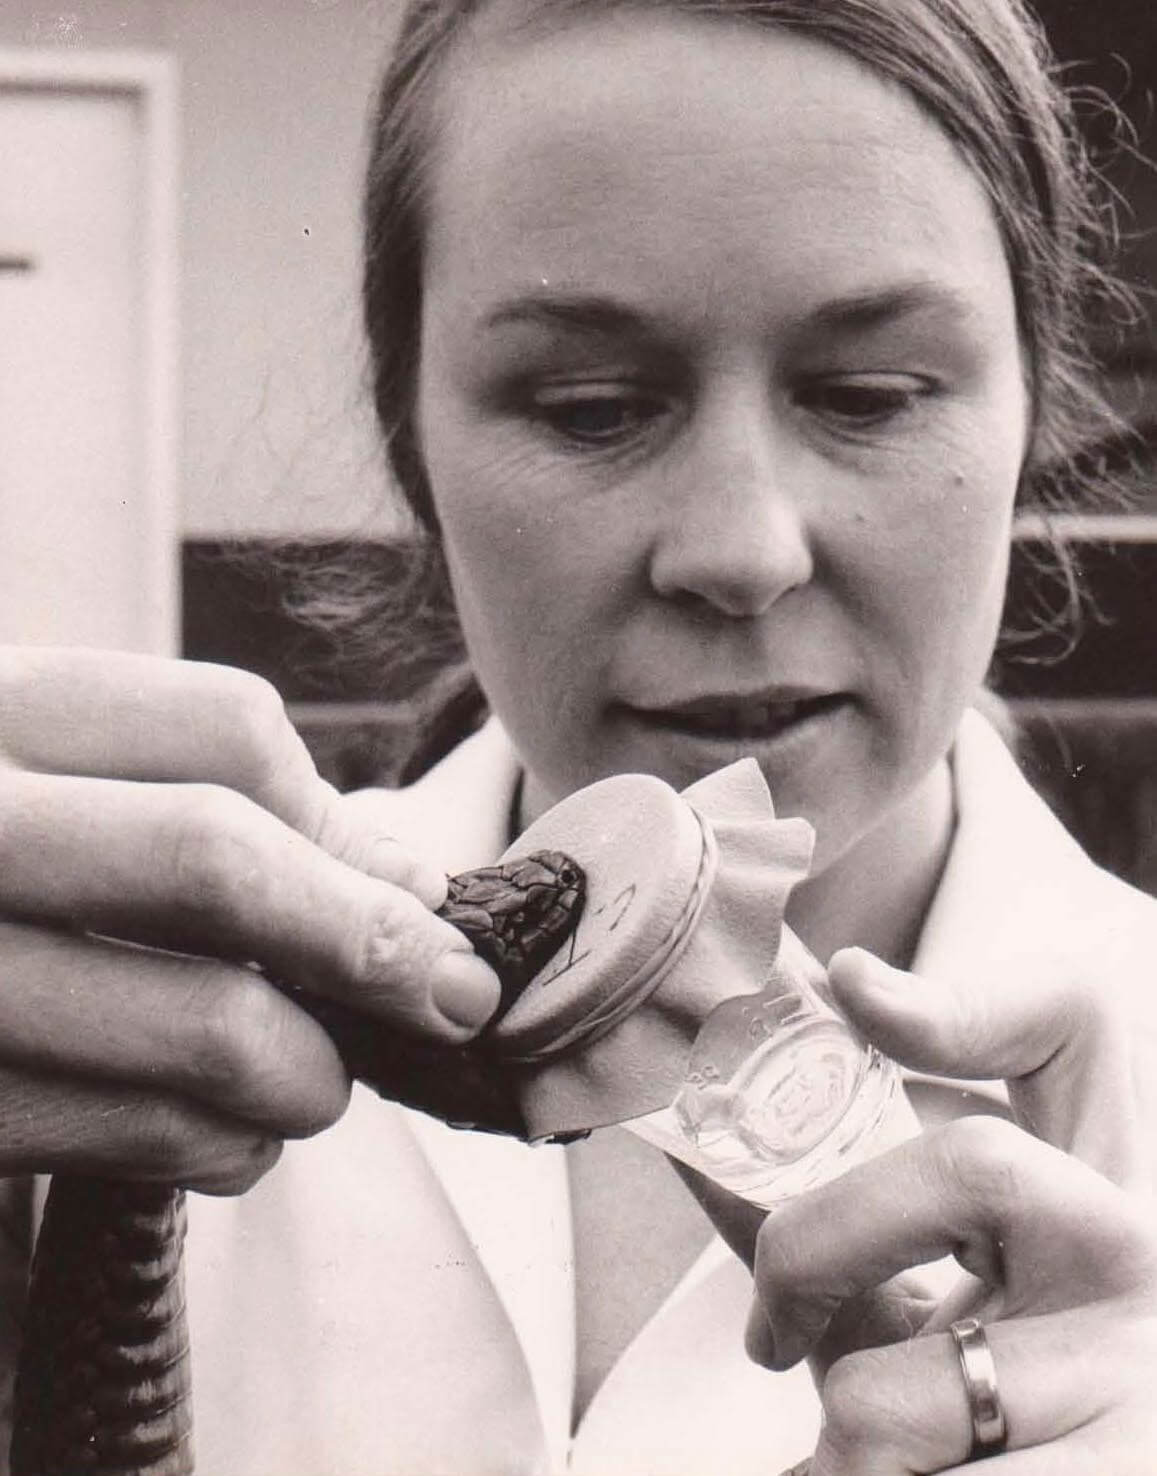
column 1094, row 759
column 237, row 595
column 1091, row 635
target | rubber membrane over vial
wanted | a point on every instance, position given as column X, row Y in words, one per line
column 682, row 1006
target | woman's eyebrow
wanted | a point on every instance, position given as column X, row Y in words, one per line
column 587, row 313
column 608, row 316
column 862, row 311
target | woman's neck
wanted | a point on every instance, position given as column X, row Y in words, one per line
column 876, row 895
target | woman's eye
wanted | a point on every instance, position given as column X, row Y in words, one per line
column 594, row 418
column 864, row 402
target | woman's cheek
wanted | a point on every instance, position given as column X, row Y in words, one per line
column 951, row 505
column 501, row 491
column 518, row 557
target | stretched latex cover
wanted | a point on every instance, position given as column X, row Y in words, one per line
column 685, row 901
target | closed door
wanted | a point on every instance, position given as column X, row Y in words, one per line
column 87, row 546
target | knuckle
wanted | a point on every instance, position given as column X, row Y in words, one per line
column 173, row 1145
column 251, row 712
column 251, row 706
column 400, row 942
column 344, row 829
column 263, row 1057
column 212, row 849
column 758, row 1339
column 959, row 1026
column 1096, row 1018
column 983, row 1158
column 856, row 1401
column 243, row 1168
column 164, row 1144
column 239, row 1028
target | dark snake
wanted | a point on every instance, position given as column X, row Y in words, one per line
column 103, row 1382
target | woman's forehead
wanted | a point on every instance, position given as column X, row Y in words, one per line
column 651, row 154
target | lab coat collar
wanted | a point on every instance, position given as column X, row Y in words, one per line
column 1014, row 879
column 512, row 1200
column 459, row 812
column 1009, row 862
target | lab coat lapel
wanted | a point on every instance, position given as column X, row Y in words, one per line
column 1023, row 908
column 458, row 815
column 690, row 1398
column 1016, row 882
column 348, row 1323
column 512, row 1200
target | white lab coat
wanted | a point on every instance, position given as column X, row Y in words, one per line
column 396, row 1298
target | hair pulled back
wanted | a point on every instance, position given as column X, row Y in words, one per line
column 980, row 69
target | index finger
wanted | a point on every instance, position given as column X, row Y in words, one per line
column 1072, row 1051
column 205, row 871
column 979, row 1190
column 117, row 715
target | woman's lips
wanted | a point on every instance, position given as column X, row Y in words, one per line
column 740, row 719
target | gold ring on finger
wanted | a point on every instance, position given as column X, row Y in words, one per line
column 985, row 1410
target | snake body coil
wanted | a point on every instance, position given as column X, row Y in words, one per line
column 103, row 1385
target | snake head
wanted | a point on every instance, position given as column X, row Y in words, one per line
column 518, row 914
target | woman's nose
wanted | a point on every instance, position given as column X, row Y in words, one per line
column 733, row 534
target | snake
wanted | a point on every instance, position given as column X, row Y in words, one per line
column 103, row 1383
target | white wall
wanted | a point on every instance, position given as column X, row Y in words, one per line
column 277, row 436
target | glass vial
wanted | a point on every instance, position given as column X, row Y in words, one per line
column 780, row 1093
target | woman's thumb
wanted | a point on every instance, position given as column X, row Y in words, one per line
column 928, row 1025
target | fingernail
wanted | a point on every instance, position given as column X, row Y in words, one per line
column 856, row 969
column 464, row 989
column 428, row 884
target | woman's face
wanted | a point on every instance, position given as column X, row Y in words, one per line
column 723, row 410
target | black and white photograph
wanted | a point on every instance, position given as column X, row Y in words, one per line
column 578, row 737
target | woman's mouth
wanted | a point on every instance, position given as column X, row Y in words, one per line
column 741, row 719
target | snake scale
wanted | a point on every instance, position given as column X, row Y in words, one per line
column 103, row 1384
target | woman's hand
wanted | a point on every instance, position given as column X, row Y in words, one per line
column 162, row 829
column 1066, row 1259
column 1078, row 1050
column 1063, row 1275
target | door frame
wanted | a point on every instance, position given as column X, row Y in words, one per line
column 150, row 80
